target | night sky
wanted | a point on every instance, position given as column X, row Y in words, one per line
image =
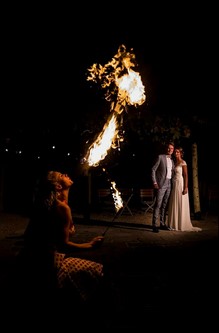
column 45, row 63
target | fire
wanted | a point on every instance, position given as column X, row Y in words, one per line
column 123, row 86
column 98, row 150
column 131, row 89
column 116, row 197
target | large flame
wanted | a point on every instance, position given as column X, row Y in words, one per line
column 123, row 86
column 131, row 89
column 98, row 150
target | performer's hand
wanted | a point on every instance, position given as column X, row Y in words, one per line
column 97, row 241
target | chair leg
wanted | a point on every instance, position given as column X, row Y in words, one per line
column 126, row 206
column 148, row 209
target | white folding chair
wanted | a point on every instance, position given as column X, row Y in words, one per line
column 147, row 199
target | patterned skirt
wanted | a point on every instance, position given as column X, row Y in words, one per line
column 84, row 276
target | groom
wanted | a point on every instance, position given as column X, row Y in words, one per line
column 161, row 174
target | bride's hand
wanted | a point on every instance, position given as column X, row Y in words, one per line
column 185, row 191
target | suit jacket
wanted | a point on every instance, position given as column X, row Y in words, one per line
column 159, row 170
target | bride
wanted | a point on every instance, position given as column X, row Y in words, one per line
column 179, row 208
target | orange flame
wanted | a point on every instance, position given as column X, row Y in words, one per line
column 123, row 87
column 98, row 150
column 116, row 197
column 122, row 84
column 131, row 89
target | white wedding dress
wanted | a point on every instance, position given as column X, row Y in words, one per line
column 179, row 208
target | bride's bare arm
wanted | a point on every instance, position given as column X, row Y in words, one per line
column 185, row 179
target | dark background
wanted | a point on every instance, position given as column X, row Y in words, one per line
column 47, row 100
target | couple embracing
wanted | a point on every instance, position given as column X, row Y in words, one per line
column 170, row 182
